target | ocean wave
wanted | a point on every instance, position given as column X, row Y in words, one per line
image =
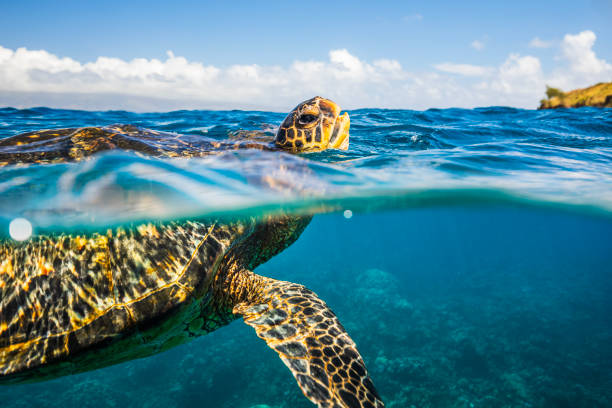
column 396, row 158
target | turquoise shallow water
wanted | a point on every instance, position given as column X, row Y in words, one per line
column 475, row 270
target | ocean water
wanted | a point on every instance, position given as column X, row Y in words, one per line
column 467, row 252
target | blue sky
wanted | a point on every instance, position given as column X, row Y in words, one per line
column 420, row 36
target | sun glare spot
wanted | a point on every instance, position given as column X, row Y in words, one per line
column 20, row 229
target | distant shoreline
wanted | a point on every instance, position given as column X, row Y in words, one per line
column 599, row 95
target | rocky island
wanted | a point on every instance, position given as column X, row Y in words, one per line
column 599, row 95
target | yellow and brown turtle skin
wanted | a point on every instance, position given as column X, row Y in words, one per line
column 315, row 124
column 76, row 302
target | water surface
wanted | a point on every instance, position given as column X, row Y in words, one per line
column 475, row 270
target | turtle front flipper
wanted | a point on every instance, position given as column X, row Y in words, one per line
column 310, row 340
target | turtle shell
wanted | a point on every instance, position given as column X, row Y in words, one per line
column 141, row 289
column 74, row 144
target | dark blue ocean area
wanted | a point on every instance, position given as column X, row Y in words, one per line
column 468, row 253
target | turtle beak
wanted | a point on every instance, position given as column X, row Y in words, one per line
column 340, row 134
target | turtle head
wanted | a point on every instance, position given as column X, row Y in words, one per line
column 314, row 125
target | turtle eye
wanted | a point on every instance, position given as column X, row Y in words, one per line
column 307, row 119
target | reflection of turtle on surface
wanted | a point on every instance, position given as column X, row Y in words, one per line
column 72, row 303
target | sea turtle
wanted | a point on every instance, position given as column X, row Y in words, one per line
column 75, row 302
column 315, row 124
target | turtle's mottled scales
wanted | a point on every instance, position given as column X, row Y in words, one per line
column 310, row 340
column 62, row 289
column 75, row 144
column 298, row 132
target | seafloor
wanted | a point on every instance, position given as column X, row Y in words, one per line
column 451, row 307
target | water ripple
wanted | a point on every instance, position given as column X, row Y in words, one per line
column 561, row 156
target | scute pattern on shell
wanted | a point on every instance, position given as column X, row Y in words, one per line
column 61, row 294
column 75, row 144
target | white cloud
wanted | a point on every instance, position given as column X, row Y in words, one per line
column 463, row 69
column 583, row 67
column 477, row 45
column 30, row 77
column 185, row 84
column 519, row 75
column 577, row 49
column 538, row 43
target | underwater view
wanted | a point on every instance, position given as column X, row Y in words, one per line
column 467, row 252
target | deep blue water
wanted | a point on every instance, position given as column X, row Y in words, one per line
column 475, row 271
